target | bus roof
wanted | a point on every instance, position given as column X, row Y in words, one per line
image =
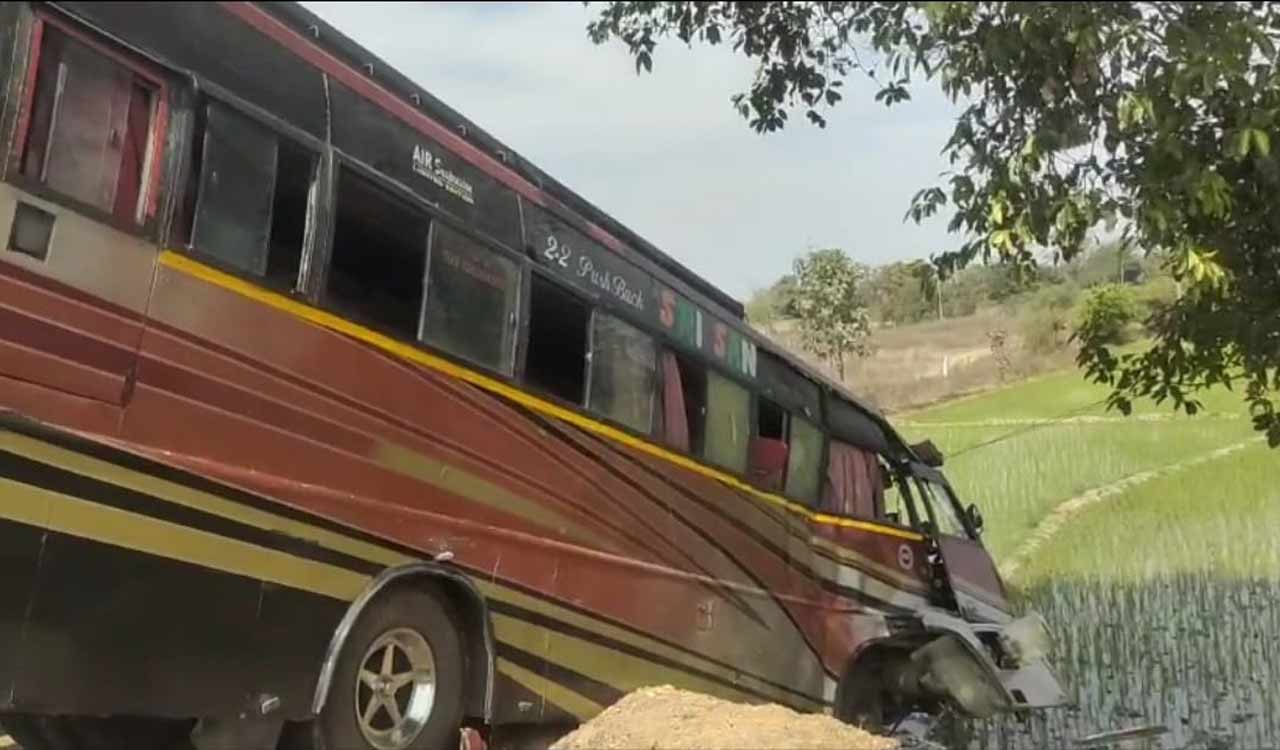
column 351, row 52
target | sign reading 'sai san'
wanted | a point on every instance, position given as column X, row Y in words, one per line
column 431, row 167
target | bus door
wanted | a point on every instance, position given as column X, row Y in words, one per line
column 77, row 213
column 971, row 572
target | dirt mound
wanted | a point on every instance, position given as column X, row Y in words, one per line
column 664, row 718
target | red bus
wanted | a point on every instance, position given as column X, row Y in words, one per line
column 326, row 420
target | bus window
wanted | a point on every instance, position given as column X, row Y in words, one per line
column 771, row 420
column 91, row 128
column 682, row 418
column 898, row 509
column 855, row 482
column 472, row 293
column 804, row 462
column 379, row 256
column 728, row 426
column 251, row 210
column 623, row 373
column 768, row 452
column 941, row 508
column 556, row 359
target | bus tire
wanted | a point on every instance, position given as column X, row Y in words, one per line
column 411, row 699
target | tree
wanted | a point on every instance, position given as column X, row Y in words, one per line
column 1153, row 118
column 904, row 292
column 833, row 315
column 773, row 303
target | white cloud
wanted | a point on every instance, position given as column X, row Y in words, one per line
column 664, row 152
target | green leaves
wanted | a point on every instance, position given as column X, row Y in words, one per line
column 834, row 321
column 1074, row 114
column 1251, row 139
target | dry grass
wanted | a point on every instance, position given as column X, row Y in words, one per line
column 927, row 363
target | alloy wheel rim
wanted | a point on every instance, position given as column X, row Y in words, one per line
column 395, row 689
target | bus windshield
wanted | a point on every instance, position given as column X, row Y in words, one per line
column 941, row 507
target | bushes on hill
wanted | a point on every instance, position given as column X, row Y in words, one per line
column 1107, row 313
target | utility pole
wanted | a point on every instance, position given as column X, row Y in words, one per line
column 939, row 294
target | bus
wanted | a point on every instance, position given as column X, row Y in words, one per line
column 327, row 420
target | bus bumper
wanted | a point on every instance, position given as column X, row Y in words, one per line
column 985, row 669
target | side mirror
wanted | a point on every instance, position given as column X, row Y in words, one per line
column 975, row 518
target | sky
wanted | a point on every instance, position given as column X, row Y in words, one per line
column 664, row 152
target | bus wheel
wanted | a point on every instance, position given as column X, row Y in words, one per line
column 866, row 700
column 398, row 684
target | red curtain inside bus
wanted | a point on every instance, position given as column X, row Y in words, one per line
column 854, row 484
column 675, row 421
column 767, row 463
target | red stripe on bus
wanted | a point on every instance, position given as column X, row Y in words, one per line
column 28, row 96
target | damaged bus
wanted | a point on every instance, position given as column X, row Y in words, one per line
column 327, row 420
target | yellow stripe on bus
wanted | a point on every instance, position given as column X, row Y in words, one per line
column 36, row 514
column 57, row 512
column 578, row 706
column 185, row 496
column 194, row 268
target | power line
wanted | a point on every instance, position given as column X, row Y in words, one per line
column 1029, row 428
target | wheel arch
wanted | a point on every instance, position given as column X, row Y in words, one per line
column 474, row 624
column 869, row 655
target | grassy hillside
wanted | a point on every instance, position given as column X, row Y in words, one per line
column 1149, row 544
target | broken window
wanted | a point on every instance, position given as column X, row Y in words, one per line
column 623, row 373
column 379, row 257
column 556, row 362
column 91, row 124
column 251, row 210
column 472, row 293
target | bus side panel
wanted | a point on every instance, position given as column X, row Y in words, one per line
column 19, row 554
column 139, row 634
column 129, row 587
column 274, row 403
column 71, row 321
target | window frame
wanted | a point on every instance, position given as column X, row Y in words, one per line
column 518, row 310
column 193, row 182
column 824, row 440
column 943, row 493
column 596, row 313
column 154, row 164
column 522, row 337
column 901, row 476
column 752, row 407
column 317, row 291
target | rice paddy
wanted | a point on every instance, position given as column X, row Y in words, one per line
column 1154, row 560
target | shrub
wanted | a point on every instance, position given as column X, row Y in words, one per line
column 1106, row 314
column 1156, row 294
column 1046, row 330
